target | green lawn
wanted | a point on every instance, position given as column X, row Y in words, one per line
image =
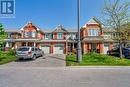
column 6, row 57
column 97, row 59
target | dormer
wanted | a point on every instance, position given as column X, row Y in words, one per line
column 59, row 32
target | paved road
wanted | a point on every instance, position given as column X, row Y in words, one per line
column 64, row 77
column 49, row 60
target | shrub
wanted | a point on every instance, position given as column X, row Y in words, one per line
column 1, row 52
column 6, row 57
column 11, row 52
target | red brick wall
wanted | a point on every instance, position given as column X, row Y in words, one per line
column 84, row 33
column 101, row 48
column 66, row 48
column 110, row 46
column 51, row 48
column 54, row 35
column 85, row 48
column 41, row 36
column 38, row 45
column 64, row 36
column 81, row 34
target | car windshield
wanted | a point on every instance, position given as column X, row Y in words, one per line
column 23, row 49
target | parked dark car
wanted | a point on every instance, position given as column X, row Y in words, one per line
column 28, row 52
column 116, row 52
column 127, row 52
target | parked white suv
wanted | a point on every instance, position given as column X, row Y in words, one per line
column 29, row 53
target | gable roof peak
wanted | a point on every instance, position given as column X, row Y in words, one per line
column 60, row 28
column 29, row 23
column 93, row 20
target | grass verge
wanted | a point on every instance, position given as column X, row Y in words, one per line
column 97, row 59
column 6, row 57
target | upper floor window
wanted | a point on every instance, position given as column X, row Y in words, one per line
column 60, row 36
column 48, row 36
column 33, row 34
column 93, row 32
column 30, row 34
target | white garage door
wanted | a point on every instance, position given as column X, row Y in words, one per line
column 58, row 49
column 106, row 48
column 46, row 49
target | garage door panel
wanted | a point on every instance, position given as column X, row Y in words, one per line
column 59, row 50
column 46, row 49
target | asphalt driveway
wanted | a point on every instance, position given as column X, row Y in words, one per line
column 50, row 60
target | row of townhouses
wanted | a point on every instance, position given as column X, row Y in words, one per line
column 94, row 37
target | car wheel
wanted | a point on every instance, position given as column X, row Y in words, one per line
column 42, row 54
column 34, row 57
column 20, row 59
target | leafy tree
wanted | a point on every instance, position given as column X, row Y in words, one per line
column 3, row 35
column 117, row 15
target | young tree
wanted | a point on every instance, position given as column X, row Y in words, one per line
column 117, row 14
column 3, row 35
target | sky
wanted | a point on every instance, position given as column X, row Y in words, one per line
column 47, row 14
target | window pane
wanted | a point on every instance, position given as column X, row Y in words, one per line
column 33, row 34
column 59, row 35
column 93, row 32
column 28, row 34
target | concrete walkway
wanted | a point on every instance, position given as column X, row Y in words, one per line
column 50, row 60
